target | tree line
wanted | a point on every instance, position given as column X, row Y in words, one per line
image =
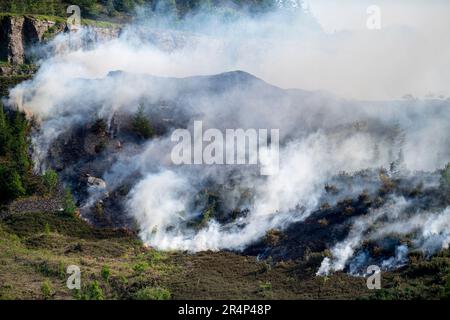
column 95, row 8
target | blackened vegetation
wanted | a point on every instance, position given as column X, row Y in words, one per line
column 330, row 224
column 319, row 231
column 90, row 150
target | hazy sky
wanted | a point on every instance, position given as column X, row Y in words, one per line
column 351, row 14
column 408, row 55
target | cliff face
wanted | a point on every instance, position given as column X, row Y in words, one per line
column 18, row 34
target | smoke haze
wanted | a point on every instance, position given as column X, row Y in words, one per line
column 321, row 133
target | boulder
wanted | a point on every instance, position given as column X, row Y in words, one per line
column 96, row 182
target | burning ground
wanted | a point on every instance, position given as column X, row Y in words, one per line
column 339, row 221
column 360, row 182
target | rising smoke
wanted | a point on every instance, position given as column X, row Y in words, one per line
column 321, row 134
column 398, row 217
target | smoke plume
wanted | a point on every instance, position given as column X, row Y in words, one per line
column 152, row 64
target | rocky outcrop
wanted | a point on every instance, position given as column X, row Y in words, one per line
column 11, row 44
column 94, row 182
column 18, row 34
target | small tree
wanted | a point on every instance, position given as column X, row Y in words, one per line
column 20, row 144
column 69, row 204
column 141, row 125
column 50, row 179
column 11, row 186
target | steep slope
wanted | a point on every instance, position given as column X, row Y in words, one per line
column 20, row 35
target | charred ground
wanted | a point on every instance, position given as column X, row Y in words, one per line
column 39, row 240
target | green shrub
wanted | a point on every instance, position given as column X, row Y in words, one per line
column 140, row 267
column 46, row 290
column 155, row 257
column 153, row 294
column 47, row 229
column 94, row 291
column 266, row 286
column 106, row 272
column 265, row 290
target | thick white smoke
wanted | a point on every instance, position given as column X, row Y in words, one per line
column 430, row 229
column 159, row 202
column 319, row 137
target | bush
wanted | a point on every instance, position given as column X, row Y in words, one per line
column 106, row 273
column 94, row 291
column 46, row 290
column 47, row 229
column 152, row 294
column 140, row 267
column 266, row 286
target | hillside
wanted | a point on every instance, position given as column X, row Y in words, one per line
column 39, row 240
column 89, row 126
column 37, row 248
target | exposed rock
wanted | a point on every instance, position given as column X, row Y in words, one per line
column 96, row 182
column 35, row 29
column 11, row 39
column 166, row 40
column 103, row 34
column 18, row 35
column 36, row 204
